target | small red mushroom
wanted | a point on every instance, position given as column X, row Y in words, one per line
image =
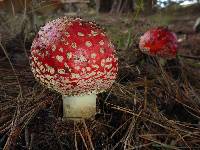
column 159, row 42
column 77, row 59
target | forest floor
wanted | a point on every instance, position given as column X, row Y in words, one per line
column 150, row 106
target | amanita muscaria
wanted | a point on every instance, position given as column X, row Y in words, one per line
column 75, row 58
column 159, row 42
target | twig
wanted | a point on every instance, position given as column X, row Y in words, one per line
column 145, row 93
column 31, row 141
column 75, row 137
column 26, row 137
column 82, row 137
column 88, row 135
column 189, row 57
column 15, row 73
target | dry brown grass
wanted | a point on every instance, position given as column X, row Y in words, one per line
column 142, row 110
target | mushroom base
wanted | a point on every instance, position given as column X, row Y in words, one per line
column 79, row 107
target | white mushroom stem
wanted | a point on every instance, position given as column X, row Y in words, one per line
column 79, row 107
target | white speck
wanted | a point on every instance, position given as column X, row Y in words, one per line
column 66, row 43
column 94, row 33
column 80, row 34
column 37, row 51
column 92, row 73
column 37, row 70
column 69, row 55
column 115, row 59
column 74, row 75
column 63, row 39
column 77, row 67
column 83, row 70
column 102, row 50
column 39, row 63
column 42, row 68
column 90, row 22
column 88, row 43
column 111, row 45
column 88, row 68
column 74, row 45
column 70, row 23
column 95, row 66
column 47, row 53
column 42, row 79
column 59, row 58
column 61, row 49
column 35, row 59
column 51, row 70
column 79, row 58
column 101, row 42
column 108, row 66
column 93, row 55
column 103, row 62
column 48, row 77
column 61, row 71
column 67, row 34
column 65, row 64
column 99, row 74
column 102, row 34
column 109, row 59
column 53, row 48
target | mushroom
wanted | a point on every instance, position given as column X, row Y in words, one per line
column 76, row 59
column 159, row 42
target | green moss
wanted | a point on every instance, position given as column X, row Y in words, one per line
column 120, row 37
column 162, row 19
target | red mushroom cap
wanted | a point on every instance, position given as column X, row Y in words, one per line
column 159, row 42
column 73, row 57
